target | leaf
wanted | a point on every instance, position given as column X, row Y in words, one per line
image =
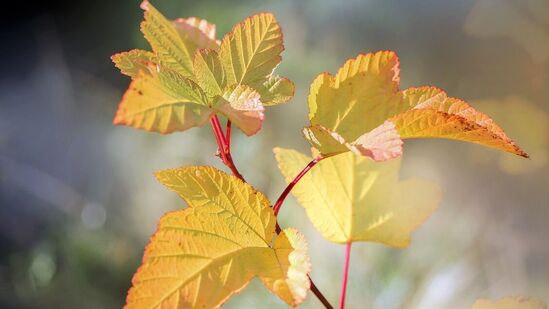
column 353, row 108
column 208, row 71
column 275, row 90
column 290, row 282
column 134, row 61
column 243, row 106
column 176, row 42
column 510, row 303
column 351, row 198
column 380, row 144
column 201, row 255
column 251, row 51
column 196, row 33
column 433, row 114
column 235, row 80
column 162, row 102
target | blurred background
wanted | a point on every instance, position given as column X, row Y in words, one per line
column 78, row 201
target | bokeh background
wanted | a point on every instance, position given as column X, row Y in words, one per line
column 78, row 201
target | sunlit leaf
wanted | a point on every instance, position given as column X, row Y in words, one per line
column 275, row 90
column 208, row 72
column 134, row 61
column 251, row 51
column 162, row 102
column 176, row 42
column 290, row 281
column 517, row 302
column 351, row 198
column 242, row 105
column 353, row 107
column 235, row 80
column 433, row 114
column 382, row 143
column 201, row 255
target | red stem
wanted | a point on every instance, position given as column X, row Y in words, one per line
column 345, row 275
column 278, row 204
column 223, row 146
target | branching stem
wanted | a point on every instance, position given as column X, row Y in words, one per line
column 223, row 143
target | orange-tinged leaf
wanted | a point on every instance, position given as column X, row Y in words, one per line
column 517, row 302
column 251, row 51
column 434, row 114
column 162, row 102
column 352, row 198
column 355, row 105
column 134, row 61
column 242, row 105
column 201, row 255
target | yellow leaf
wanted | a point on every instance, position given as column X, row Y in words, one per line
column 175, row 43
column 208, row 71
column 275, row 90
column 290, row 281
column 201, row 255
column 134, row 61
column 242, row 105
column 517, row 302
column 352, row 198
column 163, row 102
column 251, row 51
column 353, row 108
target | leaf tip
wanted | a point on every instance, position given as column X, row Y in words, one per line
column 145, row 5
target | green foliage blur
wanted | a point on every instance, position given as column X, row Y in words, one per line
column 78, row 201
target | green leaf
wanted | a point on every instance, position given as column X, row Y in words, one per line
column 352, row 198
column 251, row 51
column 202, row 255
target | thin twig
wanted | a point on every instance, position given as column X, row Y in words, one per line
column 278, row 204
column 319, row 295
